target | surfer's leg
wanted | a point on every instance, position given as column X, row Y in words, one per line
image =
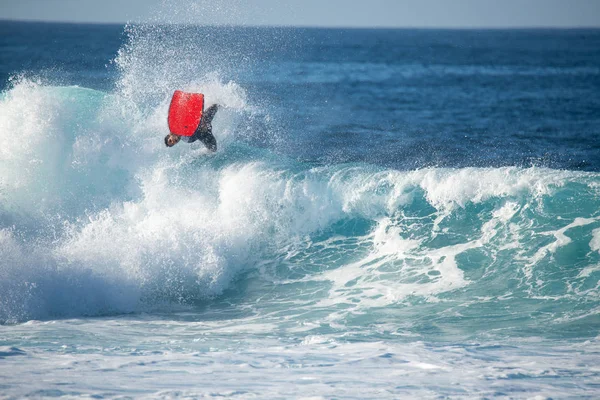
column 209, row 140
column 204, row 132
column 209, row 114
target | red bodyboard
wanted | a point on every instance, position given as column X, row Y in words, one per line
column 185, row 112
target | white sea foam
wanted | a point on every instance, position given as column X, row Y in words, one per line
column 561, row 240
column 321, row 367
column 94, row 206
column 595, row 242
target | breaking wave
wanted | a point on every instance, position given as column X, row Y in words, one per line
column 97, row 217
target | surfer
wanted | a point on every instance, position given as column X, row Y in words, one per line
column 203, row 133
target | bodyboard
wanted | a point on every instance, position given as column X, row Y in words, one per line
column 185, row 112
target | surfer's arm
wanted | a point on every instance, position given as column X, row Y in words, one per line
column 189, row 139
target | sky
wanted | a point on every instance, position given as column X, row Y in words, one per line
column 332, row 13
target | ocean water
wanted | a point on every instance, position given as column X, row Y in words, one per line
column 390, row 214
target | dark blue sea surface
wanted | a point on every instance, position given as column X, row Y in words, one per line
column 390, row 214
column 398, row 98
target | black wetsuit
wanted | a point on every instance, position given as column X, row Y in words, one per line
column 204, row 131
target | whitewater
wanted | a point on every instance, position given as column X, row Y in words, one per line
column 132, row 270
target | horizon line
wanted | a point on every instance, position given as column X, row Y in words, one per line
column 383, row 27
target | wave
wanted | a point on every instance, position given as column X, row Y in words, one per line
column 80, row 153
column 97, row 217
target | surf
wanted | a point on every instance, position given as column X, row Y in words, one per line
column 98, row 219
column 109, row 223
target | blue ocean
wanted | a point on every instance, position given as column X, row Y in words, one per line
column 391, row 213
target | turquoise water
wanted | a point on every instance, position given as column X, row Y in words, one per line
column 390, row 214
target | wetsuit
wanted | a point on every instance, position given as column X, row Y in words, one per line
column 204, row 131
